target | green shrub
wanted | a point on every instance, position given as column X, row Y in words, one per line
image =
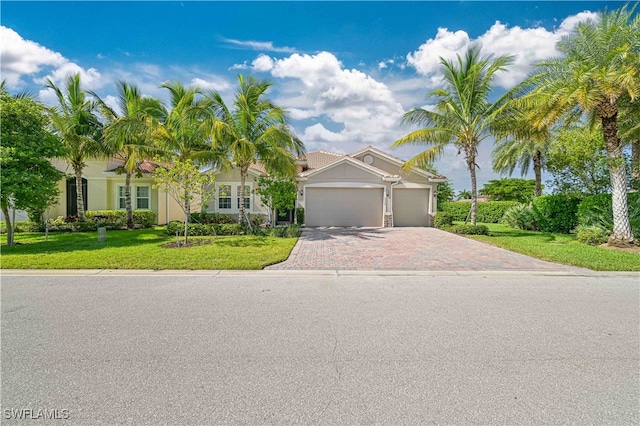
column 487, row 211
column 520, row 217
column 468, row 229
column 442, row 219
column 597, row 210
column 292, row 231
column 556, row 213
column 145, row 218
column 300, row 215
column 592, row 235
column 210, row 218
column 224, row 229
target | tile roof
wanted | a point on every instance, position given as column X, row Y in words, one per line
column 318, row 159
column 116, row 164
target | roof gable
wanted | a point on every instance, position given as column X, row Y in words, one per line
column 347, row 159
column 395, row 160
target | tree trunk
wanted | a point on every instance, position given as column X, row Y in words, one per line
column 471, row 163
column 127, row 197
column 615, row 161
column 537, row 168
column 8, row 224
column 635, row 164
column 187, row 214
column 243, row 179
column 79, row 197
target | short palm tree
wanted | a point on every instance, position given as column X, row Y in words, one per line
column 253, row 131
column 519, row 142
column 598, row 69
column 75, row 121
column 462, row 115
column 128, row 133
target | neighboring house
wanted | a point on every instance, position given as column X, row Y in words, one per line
column 365, row 188
column 103, row 189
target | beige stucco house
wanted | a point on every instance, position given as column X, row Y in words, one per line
column 365, row 188
column 103, row 189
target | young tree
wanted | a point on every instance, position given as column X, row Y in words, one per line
column 75, row 121
column 577, row 160
column 253, row 131
column 277, row 193
column 29, row 181
column 599, row 68
column 184, row 181
column 462, row 114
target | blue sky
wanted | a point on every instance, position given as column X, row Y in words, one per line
column 346, row 71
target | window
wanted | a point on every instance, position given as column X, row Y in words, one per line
column 224, row 196
column 142, row 197
column 247, row 196
column 122, row 200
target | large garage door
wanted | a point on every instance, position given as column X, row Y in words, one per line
column 410, row 207
column 343, row 207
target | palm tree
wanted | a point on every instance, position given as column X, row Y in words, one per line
column 76, row 123
column 600, row 66
column 127, row 134
column 519, row 142
column 462, row 114
column 254, row 131
column 184, row 133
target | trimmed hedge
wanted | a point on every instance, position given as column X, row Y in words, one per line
column 487, row 211
column 556, row 213
column 467, row 229
column 224, row 229
column 300, row 215
column 207, row 218
column 442, row 219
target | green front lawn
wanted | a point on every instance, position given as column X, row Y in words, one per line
column 141, row 249
column 559, row 248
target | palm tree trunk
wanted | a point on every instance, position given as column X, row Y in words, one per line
column 79, row 197
column 471, row 163
column 127, row 197
column 622, row 234
column 635, row 164
column 8, row 224
column 537, row 168
column 243, row 179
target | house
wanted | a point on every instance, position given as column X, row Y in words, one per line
column 365, row 188
column 103, row 189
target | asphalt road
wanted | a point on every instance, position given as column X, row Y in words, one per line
column 321, row 349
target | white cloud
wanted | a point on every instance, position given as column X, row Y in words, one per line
column 243, row 66
column 217, row 84
column 24, row 57
column 529, row 45
column 262, row 63
column 382, row 65
column 365, row 108
column 20, row 57
column 266, row 46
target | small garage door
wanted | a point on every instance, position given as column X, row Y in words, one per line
column 343, row 207
column 411, row 207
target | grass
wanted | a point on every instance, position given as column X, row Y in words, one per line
column 140, row 249
column 559, row 248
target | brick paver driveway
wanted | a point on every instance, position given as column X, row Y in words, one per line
column 425, row 249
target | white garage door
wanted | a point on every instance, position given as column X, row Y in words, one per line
column 411, row 207
column 343, row 207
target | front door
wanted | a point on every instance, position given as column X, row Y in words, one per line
column 72, row 196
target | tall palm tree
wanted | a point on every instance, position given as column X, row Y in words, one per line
column 599, row 67
column 253, row 131
column 519, row 142
column 184, row 133
column 75, row 121
column 462, row 115
column 128, row 132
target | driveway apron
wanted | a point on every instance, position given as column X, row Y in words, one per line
column 422, row 249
